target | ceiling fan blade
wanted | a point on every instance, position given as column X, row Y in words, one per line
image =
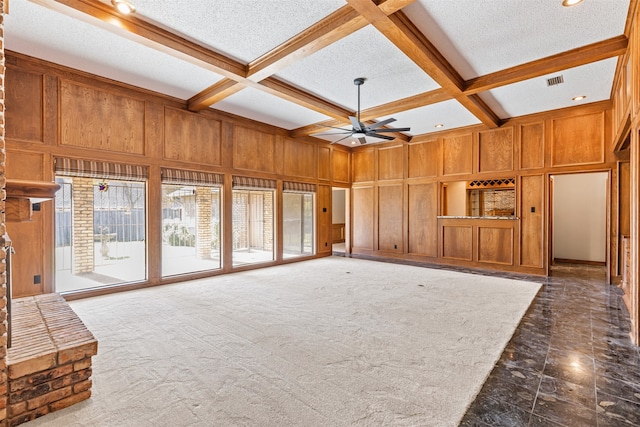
column 393, row 130
column 348, row 136
column 377, row 135
column 362, row 140
column 382, row 123
column 355, row 123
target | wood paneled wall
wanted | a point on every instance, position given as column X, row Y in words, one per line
column 625, row 142
column 55, row 111
column 397, row 188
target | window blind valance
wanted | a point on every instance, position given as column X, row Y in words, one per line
column 99, row 170
column 298, row 187
column 248, row 182
column 183, row 177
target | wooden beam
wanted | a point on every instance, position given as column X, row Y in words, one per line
column 406, row 37
column 213, row 94
column 572, row 58
column 298, row 96
column 155, row 37
column 339, row 24
column 334, row 27
column 408, row 103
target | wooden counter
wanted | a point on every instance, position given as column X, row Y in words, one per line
column 485, row 242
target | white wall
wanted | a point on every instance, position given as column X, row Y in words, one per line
column 338, row 207
column 579, row 216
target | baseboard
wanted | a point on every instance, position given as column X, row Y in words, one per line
column 578, row 261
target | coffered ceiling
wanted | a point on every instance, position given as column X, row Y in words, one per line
column 292, row 63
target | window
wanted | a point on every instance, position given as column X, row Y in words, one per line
column 190, row 229
column 297, row 220
column 100, row 232
column 253, row 220
column 190, row 221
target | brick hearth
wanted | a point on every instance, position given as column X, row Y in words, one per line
column 49, row 362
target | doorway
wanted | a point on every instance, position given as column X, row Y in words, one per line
column 339, row 220
column 578, row 231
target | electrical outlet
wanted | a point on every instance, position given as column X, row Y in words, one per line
column 36, row 279
column 533, row 209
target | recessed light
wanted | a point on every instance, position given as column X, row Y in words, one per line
column 439, row 125
column 579, row 98
column 123, row 6
column 353, row 142
column 569, row 3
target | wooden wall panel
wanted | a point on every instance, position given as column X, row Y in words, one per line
column 299, row 158
column 363, row 217
column 28, row 260
column 340, row 166
column 625, row 195
column 28, row 237
column 323, row 200
column 532, row 223
column 495, row 245
column 495, row 149
column 25, row 165
column 532, row 146
column 253, row 150
column 578, row 140
column 423, row 159
column 92, row 118
column 457, row 154
column 24, row 113
column 457, row 242
column 324, row 163
column 191, row 137
column 423, row 221
column 391, row 163
column 363, row 165
column 390, row 215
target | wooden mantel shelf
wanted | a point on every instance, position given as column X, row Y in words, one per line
column 31, row 189
column 21, row 194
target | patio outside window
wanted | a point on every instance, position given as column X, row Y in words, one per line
column 297, row 211
column 100, row 225
column 190, row 229
column 253, row 226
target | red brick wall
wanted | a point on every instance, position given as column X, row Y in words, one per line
column 3, row 277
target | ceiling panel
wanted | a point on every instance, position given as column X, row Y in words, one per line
column 481, row 37
column 330, row 72
column 531, row 96
column 54, row 36
column 241, row 29
column 257, row 105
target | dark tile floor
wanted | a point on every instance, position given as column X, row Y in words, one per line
column 570, row 362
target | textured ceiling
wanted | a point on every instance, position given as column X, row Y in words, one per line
column 291, row 63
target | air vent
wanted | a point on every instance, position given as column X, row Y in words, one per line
column 553, row 81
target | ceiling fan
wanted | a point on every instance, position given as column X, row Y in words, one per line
column 360, row 131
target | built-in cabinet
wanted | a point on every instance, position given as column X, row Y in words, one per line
column 474, row 197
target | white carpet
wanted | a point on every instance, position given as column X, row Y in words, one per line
column 328, row 342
